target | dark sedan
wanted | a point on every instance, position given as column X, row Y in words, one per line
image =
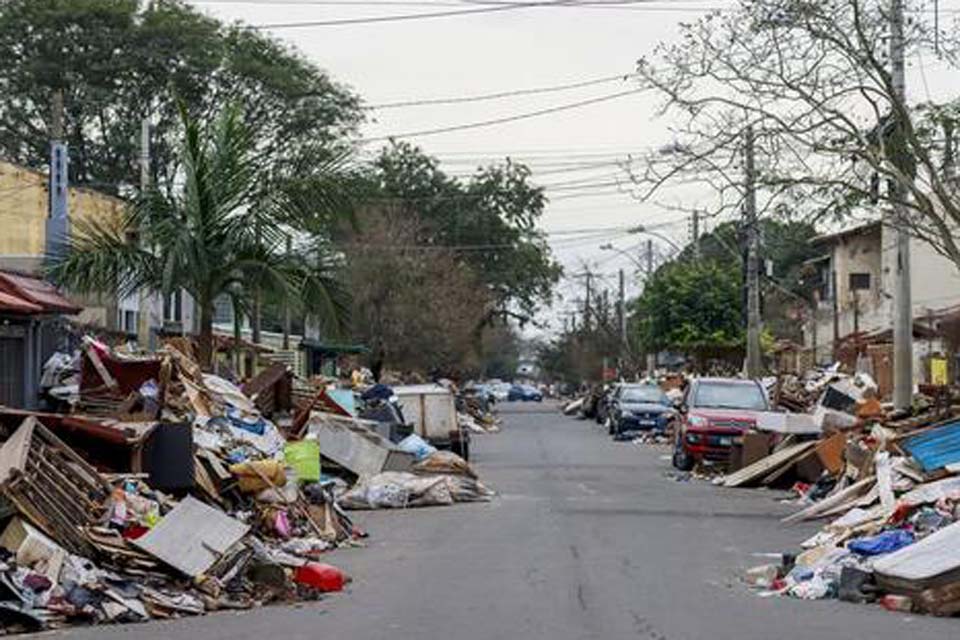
column 640, row 407
column 524, row 393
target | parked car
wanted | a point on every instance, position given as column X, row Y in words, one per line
column 639, row 407
column 715, row 411
column 524, row 393
column 500, row 390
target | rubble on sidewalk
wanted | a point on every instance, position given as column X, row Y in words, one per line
column 162, row 491
column 888, row 494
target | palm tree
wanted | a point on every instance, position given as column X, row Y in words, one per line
column 217, row 235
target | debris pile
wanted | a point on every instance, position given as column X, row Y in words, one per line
column 887, row 486
column 162, row 491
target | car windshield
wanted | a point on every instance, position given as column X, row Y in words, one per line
column 642, row 394
column 730, row 396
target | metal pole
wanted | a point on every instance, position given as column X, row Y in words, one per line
column 143, row 307
column 902, row 295
column 651, row 355
column 622, row 312
column 754, row 362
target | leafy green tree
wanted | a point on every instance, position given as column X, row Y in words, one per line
column 119, row 61
column 206, row 238
column 786, row 244
column 493, row 216
column 692, row 307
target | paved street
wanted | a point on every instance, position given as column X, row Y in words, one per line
column 588, row 539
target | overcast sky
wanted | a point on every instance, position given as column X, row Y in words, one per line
column 515, row 49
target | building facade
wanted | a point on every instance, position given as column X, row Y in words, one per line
column 854, row 279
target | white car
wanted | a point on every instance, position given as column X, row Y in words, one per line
column 500, row 391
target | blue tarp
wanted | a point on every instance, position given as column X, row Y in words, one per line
column 936, row 448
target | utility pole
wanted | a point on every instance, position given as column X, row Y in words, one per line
column 287, row 321
column 622, row 321
column 902, row 295
column 835, row 302
column 754, row 363
column 58, row 219
column 651, row 355
column 695, row 233
column 586, row 304
column 649, row 259
column 622, row 312
column 144, row 337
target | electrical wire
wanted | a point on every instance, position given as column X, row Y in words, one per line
column 504, row 120
column 500, row 95
column 494, row 7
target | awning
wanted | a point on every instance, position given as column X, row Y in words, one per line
column 27, row 294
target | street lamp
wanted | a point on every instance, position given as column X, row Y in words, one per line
column 642, row 229
column 609, row 247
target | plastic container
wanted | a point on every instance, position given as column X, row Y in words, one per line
column 323, row 577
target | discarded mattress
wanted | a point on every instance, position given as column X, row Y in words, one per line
column 932, row 562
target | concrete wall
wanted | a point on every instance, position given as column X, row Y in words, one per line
column 23, row 214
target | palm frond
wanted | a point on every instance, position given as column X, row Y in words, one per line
column 102, row 256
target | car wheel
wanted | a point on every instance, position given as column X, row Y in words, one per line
column 681, row 460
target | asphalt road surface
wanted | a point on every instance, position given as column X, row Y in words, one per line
column 587, row 539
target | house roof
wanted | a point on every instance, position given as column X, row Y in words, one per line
column 846, row 233
column 24, row 294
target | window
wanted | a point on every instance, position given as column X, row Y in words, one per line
column 859, row 281
column 173, row 307
column 128, row 321
column 648, row 393
column 730, row 395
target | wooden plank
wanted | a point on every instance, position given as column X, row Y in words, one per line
column 816, row 510
column 769, row 464
column 101, row 368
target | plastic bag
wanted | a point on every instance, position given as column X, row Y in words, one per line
column 886, row 542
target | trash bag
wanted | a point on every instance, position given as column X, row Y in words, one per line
column 416, row 445
column 397, row 490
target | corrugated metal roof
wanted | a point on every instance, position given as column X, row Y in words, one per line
column 936, row 448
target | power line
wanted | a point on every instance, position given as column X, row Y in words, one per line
column 397, row 17
column 493, row 7
column 501, row 95
column 504, row 120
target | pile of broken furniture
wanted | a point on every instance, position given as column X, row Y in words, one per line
column 164, row 491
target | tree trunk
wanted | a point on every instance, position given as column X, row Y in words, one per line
column 257, row 316
column 206, row 335
column 237, row 340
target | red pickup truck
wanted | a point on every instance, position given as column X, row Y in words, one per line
column 716, row 411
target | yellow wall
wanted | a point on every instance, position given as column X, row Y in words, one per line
column 23, row 210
